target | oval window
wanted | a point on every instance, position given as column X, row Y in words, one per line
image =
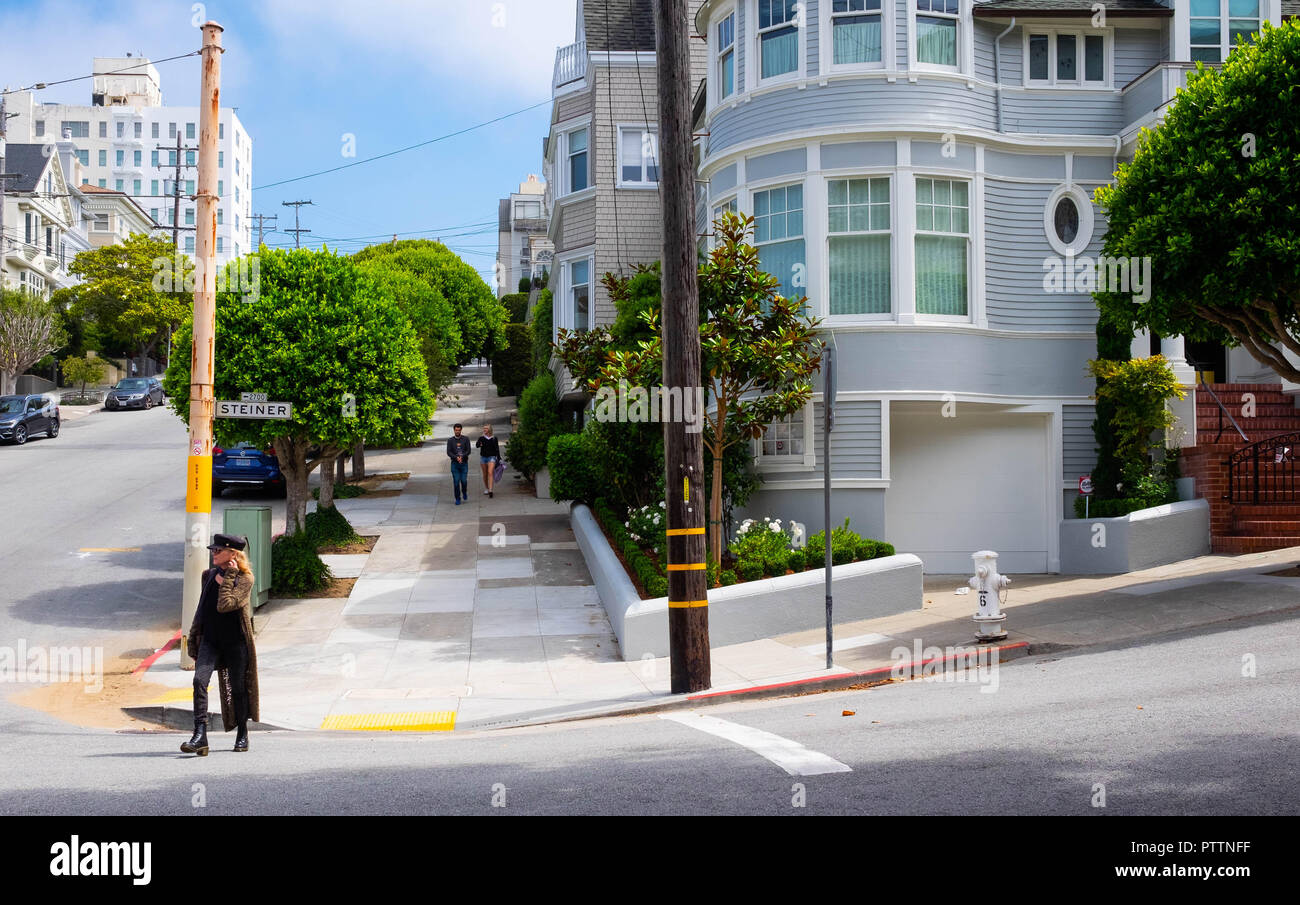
column 1066, row 220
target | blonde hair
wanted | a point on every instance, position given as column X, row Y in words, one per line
column 487, row 429
column 240, row 559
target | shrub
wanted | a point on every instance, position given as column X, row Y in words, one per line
column 330, row 528
column 539, row 420
column 524, row 284
column 512, row 367
column 762, row 542
column 846, row 546
column 648, row 526
column 574, row 466
column 543, row 329
column 796, row 560
column 517, row 304
column 750, row 569
column 728, row 578
column 883, row 549
column 342, row 491
column 651, row 579
column 296, row 567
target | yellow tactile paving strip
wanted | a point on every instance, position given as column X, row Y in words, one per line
column 418, row 721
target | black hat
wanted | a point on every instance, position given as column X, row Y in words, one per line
column 228, row 542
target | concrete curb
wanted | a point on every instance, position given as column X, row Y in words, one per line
column 174, row 717
column 813, row 685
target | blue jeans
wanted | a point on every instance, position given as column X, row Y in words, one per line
column 460, row 479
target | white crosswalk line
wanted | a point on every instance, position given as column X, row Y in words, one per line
column 789, row 755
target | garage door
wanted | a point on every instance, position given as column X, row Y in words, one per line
column 974, row 482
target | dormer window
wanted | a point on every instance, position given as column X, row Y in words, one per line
column 936, row 31
column 1060, row 57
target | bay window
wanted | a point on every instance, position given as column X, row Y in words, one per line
column 577, row 152
column 942, row 240
column 778, row 235
column 727, row 56
column 936, row 31
column 580, row 294
column 859, row 239
column 856, row 31
column 1216, row 24
column 778, row 37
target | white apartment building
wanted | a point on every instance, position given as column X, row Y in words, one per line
column 126, row 141
column 521, row 223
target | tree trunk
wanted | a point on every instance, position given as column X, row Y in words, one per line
column 339, row 470
column 715, row 514
column 7, row 382
column 293, row 462
column 359, row 461
column 326, row 500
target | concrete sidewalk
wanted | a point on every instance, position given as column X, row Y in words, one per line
column 484, row 615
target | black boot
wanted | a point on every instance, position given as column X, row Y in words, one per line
column 198, row 743
column 241, row 736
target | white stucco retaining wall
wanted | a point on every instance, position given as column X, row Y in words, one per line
column 1139, row 540
column 751, row 610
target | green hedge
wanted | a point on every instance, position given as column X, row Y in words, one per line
column 330, row 528
column 296, row 567
column 651, row 579
column 512, row 367
column 574, row 466
column 543, row 328
column 539, row 420
column 517, row 304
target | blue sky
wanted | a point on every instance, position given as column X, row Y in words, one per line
column 303, row 73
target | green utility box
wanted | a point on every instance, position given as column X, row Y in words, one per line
column 254, row 523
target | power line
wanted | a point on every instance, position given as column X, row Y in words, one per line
column 297, row 233
column 39, row 86
column 357, row 163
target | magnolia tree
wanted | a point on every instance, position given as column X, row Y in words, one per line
column 29, row 330
column 758, row 353
column 1210, row 201
column 323, row 336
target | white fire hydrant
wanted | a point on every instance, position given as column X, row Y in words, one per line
column 990, row 621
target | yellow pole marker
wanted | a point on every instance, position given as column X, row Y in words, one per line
column 686, row 604
column 686, row 566
column 679, row 532
column 686, row 489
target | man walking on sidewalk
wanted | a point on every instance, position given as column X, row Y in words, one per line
column 458, row 452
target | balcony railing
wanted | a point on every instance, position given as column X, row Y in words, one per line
column 570, row 64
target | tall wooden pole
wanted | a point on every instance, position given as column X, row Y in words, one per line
column 688, row 606
column 198, row 477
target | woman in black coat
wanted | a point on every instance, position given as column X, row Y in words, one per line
column 490, row 453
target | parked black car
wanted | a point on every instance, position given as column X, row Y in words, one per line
column 22, row 416
column 245, row 465
column 135, row 393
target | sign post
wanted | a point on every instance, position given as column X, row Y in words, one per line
column 1085, row 490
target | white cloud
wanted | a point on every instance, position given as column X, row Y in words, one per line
column 480, row 46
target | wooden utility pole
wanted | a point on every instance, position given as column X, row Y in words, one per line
column 297, row 233
column 177, row 229
column 688, row 605
column 198, row 478
column 261, row 223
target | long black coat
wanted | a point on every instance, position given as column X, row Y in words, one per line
column 235, row 593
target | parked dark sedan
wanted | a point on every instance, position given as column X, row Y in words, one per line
column 135, row 393
column 22, row 416
column 243, row 464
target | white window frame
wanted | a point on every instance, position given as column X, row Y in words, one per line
column 714, row 83
column 790, row 462
column 641, row 129
column 101, row 224
column 729, row 202
column 1087, row 220
column 1225, row 48
column 562, row 133
column 754, row 49
column 525, row 216
column 971, row 201
column 826, row 36
column 964, row 32
column 891, row 315
column 1080, row 37
column 785, row 182
column 561, row 277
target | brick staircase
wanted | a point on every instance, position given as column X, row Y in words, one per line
column 1241, row 527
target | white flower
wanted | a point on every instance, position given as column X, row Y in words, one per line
column 662, row 505
column 627, row 524
column 656, row 519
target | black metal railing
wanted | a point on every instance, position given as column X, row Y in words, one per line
column 1201, row 368
column 1265, row 471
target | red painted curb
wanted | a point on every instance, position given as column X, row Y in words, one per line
column 879, row 672
column 153, row 658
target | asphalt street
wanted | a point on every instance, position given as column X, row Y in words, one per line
column 1203, row 723
column 91, row 529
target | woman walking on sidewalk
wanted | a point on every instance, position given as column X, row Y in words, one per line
column 221, row 638
column 490, row 453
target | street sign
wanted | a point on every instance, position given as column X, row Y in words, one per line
column 1085, row 485
column 266, row 411
column 252, row 397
